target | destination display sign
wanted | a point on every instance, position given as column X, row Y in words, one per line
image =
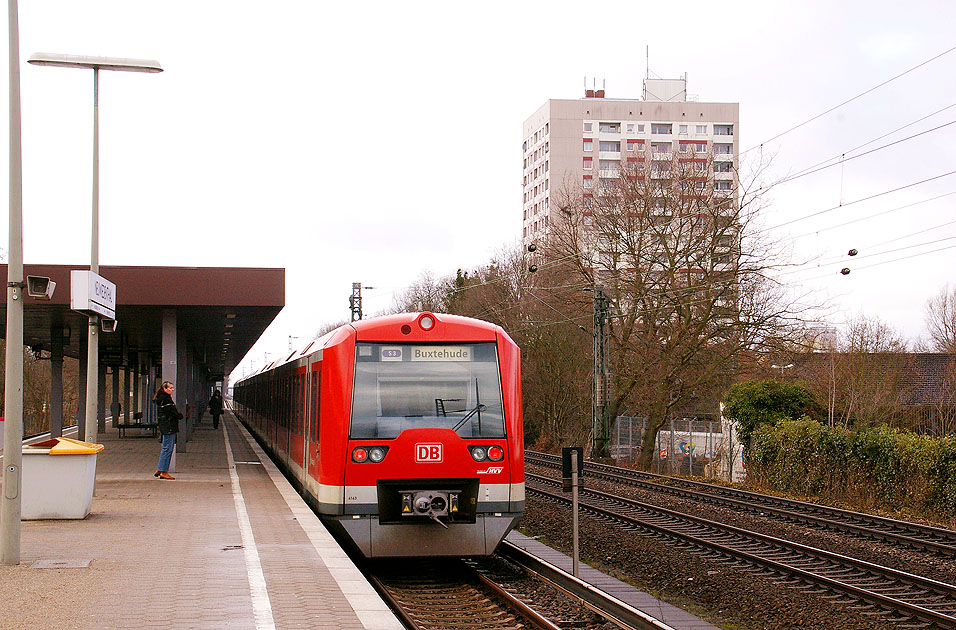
column 441, row 353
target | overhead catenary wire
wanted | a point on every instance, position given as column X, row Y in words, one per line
column 850, row 203
column 875, row 254
column 869, row 142
column 850, row 100
column 885, row 262
column 843, row 159
column 872, row 216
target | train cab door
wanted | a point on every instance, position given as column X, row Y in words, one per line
column 315, row 395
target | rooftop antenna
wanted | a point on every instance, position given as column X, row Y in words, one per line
column 647, row 61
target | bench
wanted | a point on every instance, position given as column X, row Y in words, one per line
column 136, row 424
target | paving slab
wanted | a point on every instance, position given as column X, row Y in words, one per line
column 227, row 544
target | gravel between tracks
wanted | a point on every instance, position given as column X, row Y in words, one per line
column 924, row 563
column 725, row 595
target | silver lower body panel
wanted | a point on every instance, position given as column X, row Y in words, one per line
column 376, row 540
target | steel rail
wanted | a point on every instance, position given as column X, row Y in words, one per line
column 913, row 535
column 604, row 604
column 701, row 527
column 463, row 581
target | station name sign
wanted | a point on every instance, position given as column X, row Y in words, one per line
column 92, row 294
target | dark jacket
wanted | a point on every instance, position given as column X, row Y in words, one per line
column 215, row 405
column 168, row 416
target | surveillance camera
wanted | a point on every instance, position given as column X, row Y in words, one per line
column 108, row 325
column 40, row 287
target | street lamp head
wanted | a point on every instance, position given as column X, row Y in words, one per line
column 94, row 63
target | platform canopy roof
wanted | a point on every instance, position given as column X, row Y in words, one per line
column 220, row 312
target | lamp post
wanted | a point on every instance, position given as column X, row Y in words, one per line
column 96, row 64
column 13, row 380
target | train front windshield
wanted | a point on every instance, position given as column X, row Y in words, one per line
column 398, row 387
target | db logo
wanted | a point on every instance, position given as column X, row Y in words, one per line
column 428, row 452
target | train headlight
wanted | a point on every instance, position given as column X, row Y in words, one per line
column 482, row 453
column 374, row 454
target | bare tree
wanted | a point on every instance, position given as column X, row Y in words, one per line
column 866, row 375
column 426, row 294
column 688, row 278
column 940, row 313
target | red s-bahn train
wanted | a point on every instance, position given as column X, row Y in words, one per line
column 404, row 432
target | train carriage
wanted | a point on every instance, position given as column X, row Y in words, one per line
column 404, row 432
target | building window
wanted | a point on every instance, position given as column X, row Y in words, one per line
column 588, row 127
column 630, row 128
column 588, row 182
column 721, row 185
column 609, row 145
column 723, row 149
column 661, row 128
column 588, row 145
column 661, row 147
column 682, row 129
column 588, row 162
column 723, row 167
column 610, row 127
column 640, row 129
column 702, row 129
column 610, row 165
column 723, row 130
column 700, row 147
column 683, row 147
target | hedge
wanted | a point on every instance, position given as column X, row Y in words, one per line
column 873, row 467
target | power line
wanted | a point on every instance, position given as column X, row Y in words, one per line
column 845, row 160
column 889, row 133
column 889, row 251
column 846, row 102
column 885, row 262
column 837, row 257
column 850, row 203
column 873, row 216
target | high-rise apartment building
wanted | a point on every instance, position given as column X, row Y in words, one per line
column 578, row 143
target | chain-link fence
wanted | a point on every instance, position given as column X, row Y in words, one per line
column 699, row 446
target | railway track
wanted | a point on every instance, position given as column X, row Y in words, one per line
column 450, row 595
column 873, row 589
column 901, row 533
column 483, row 593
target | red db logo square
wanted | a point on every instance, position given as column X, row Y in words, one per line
column 428, row 452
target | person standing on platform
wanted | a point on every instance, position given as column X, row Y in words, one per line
column 168, row 419
column 215, row 408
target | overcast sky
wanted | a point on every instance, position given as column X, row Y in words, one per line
column 370, row 141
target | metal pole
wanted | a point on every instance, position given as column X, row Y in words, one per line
column 574, row 512
column 92, row 347
column 599, row 427
column 13, row 379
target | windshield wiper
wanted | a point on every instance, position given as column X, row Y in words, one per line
column 478, row 409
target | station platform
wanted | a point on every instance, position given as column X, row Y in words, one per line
column 227, row 544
